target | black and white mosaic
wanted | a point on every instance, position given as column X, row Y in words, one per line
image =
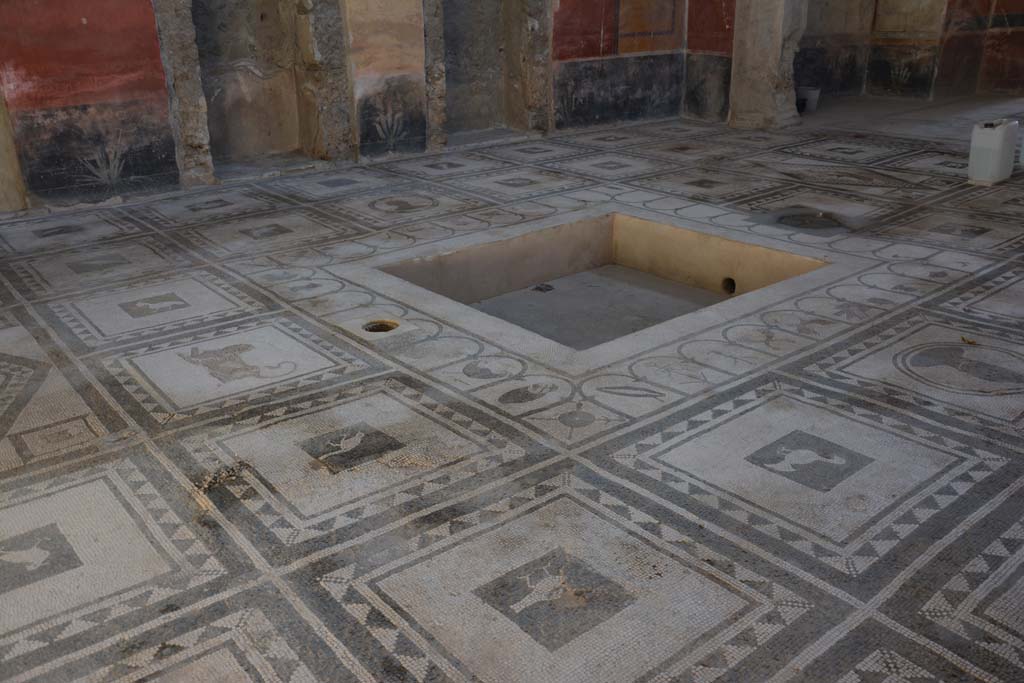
column 209, row 469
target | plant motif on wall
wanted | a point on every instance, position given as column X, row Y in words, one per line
column 843, row 69
column 569, row 100
column 899, row 74
column 390, row 127
column 392, row 118
column 106, row 164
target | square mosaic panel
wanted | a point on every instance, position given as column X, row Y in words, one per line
column 157, row 307
column 65, row 231
column 49, row 414
column 608, row 138
column 705, row 185
column 609, row 166
column 876, row 653
column 832, row 484
column 326, row 465
column 970, row 597
column 766, row 139
column 271, row 232
column 576, row 584
column 684, row 152
column 993, row 298
column 958, row 230
column 999, row 201
column 446, row 165
column 35, row 277
column 949, row 368
column 202, row 208
column 180, row 380
column 878, row 182
column 543, row 629
column 396, row 206
column 91, row 553
column 863, row 149
column 937, row 162
column 856, row 211
column 330, row 185
column 255, row 635
column 519, row 183
column 533, row 151
column 677, row 130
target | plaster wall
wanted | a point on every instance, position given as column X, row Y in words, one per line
column 248, row 54
column 709, row 51
column 914, row 48
column 85, row 90
column 619, row 60
column 475, row 66
column 1002, row 61
column 388, row 63
column 835, row 48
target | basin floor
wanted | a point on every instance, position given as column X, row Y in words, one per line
column 208, row 472
column 586, row 309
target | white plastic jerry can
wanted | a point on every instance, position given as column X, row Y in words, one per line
column 993, row 151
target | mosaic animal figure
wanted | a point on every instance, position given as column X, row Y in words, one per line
column 29, row 559
column 348, row 443
column 548, row 588
column 802, row 457
column 156, row 305
column 956, row 358
column 227, row 365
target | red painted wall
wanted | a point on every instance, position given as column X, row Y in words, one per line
column 1002, row 68
column 711, row 25
column 84, row 82
column 586, row 28
column 57, row 53
column 982, row 48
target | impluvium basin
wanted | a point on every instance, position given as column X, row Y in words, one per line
column 595, row 280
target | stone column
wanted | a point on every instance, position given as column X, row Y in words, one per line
column 326, row 95
column 189, row 125
column 538, row 75
column 768, row 36
column 13, row 196
column 436, row 74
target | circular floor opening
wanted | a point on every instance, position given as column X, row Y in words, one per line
column 729, row 286
column 380, row 326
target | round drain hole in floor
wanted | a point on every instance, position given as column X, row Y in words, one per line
column 380, row 326
column 729, row 285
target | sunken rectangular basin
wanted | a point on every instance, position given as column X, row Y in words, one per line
column 589, row 282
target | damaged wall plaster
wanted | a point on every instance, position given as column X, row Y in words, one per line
column 13, row 196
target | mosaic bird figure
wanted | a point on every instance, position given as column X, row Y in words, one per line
column 550, row 587
column 802, row 457
column 154, row 306
column 30, row 559
column 348, row 443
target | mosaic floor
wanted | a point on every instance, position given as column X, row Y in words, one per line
column 208, row 473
